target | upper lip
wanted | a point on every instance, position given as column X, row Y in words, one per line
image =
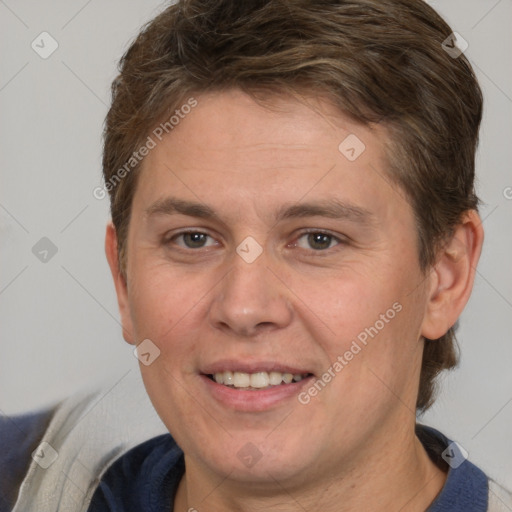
column 232, row 365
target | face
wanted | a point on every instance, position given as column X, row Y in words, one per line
column 261, row 251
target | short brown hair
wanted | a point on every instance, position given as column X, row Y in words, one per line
column 378, row 61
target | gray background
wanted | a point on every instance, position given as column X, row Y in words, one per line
column 58, row 319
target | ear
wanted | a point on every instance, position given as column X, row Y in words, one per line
column 111, row 251
column 452, row 278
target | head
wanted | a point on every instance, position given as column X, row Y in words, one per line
column 260, row 113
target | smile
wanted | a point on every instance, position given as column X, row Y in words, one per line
column 255, row 381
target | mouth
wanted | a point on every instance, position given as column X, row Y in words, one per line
column 256, row 381
column 247, row 385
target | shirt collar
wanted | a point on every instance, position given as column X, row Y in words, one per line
column 466, row 488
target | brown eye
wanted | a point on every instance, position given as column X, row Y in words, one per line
column 317, row 241
column 192, row 240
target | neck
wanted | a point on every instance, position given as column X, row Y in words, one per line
column 397, row 476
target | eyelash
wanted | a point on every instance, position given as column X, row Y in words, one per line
column 338, row 240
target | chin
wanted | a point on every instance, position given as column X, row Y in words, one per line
column 258, row 460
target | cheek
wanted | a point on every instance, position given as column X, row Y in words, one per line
column 350, row 305
column 170, row 308
column 162, row 299
column 368, row 326
column 165, row 309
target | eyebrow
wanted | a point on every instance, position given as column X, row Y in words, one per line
column 330, row 208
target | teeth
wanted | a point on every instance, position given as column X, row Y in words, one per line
column 275, row 378
column 241, row 380
column 258, row 380
column 287, row 378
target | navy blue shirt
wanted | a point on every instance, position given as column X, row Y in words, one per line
column 146, row 478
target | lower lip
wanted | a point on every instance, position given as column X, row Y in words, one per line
column 254, row 400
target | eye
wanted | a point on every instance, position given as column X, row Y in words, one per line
column 191, row 240
column 317, row 240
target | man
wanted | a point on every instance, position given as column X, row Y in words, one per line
column 294, row 236
column 296, row 244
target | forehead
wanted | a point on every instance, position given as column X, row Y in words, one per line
column 236, row 122
column 230, row 148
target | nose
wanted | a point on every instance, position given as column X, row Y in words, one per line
column 250, row 299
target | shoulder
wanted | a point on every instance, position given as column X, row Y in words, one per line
column 152, row 471
column 467, row 487
column 19, row 437
column 88, row 430
column 500, row 499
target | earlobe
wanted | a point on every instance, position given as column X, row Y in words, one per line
column 452, row 277
column 111, row 251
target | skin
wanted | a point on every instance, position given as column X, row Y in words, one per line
column 352, row 447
